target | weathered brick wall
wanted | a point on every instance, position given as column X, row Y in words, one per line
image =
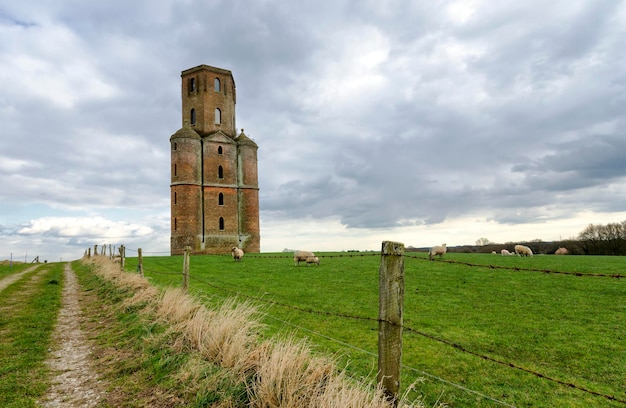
column 227, row 160
column 250, row 219
column 185, row 217
column 204, row 98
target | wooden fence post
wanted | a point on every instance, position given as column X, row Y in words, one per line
column 122, row 256
column 391, row 298
column 95, row 250
column 186, row 269
column 140, row 262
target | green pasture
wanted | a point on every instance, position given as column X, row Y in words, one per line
column 459, row 317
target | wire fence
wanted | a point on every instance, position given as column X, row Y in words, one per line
column 430, row 336
column 418, row 258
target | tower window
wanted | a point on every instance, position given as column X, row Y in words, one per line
column 175, row 146
column 192, row 117
column 220, row 199
column 192, row 85
column 218, row 116
column 220, row 150
column 216, row 85
column 220, row 172
column 175, row 169
column 175, row 224
column 175, row 198
column 221, row 223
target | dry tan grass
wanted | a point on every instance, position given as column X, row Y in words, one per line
column 278, row 373
column 288, row 376
column 175, row 306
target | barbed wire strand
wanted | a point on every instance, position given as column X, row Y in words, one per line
column 423, row 258
column 517, row 268
column 461, row 387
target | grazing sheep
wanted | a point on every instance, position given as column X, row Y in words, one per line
column 237, row 254
column 493, row 252
column 301, row 256
column 312, row 260
column 561, row 251
column 505, row 252
column 437, row 250
column 523, row 250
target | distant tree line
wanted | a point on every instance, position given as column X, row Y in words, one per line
column 609, row 239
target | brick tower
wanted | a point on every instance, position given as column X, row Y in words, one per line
column 214, row 185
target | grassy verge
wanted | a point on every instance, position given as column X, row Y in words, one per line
column 28, row 311
column 164, row 348
column 142, row 358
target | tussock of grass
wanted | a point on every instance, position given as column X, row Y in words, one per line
column 231, row 336
column 288, row 376
column 176, row 307
column 276, row 373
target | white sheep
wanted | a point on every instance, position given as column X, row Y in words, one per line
column 493, row 252
column 437, row 250
column 301, row 256
column 505, row 252
column 237, row 253
column 561, row 251
column 523, row 250
column 312, row 260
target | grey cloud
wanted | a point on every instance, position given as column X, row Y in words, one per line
column 496, row 116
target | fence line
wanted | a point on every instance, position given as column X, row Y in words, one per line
column 517, row 268
column 429, row 336
column 413, row 330
column 421, row 258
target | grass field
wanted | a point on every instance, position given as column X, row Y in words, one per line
column 7, row 268
column 28, row 310
column 458, row 319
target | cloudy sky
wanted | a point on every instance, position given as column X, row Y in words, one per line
column 421, row 122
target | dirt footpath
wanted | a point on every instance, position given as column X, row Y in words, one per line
column 75, row 382
column 14, row 278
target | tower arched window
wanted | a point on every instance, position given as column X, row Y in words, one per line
column 220, row 199
column 220, row 172
column 220, row 150
column 218, row 116
column 221, row 223
column 192, row 85
column 192, row 116
column 175, row 146
column 216, row 85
